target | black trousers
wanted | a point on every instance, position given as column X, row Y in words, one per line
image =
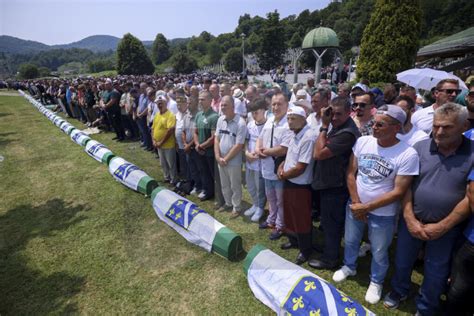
column 461, row 291
column 116, row 122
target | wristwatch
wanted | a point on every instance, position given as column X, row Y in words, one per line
column 323, row 129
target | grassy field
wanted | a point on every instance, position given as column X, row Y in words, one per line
column 73, row 240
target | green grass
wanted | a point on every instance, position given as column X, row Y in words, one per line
column 73, row 240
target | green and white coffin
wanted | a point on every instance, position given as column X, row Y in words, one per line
column 67, row 128
column 79, row 137
column 58, row 121
column 131, row 176
column 289, row 289
column 195, row 224
column 98, row 151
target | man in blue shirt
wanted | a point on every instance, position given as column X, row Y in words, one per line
column 433, row 209
column 461, row 291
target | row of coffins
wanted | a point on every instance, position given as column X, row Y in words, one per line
column 283, row 286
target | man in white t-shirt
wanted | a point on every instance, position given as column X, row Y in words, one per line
column 446, row 91
column 411, row 135
column 253, row 168
column 273, row 143
column 380, row 171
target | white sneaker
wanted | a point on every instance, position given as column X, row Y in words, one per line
column 342, row 274
column 194, row 191
column 202, row 194
column 250, row 211
column 374, row 293
column 257, row 215
column 364, row 249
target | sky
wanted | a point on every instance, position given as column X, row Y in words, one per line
column 62, row 21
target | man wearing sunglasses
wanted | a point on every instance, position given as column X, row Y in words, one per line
column 446, row 91
column 362, row 113
column 380, row 171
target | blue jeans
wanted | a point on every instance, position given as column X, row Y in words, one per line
column 333, row 213
column 274, row 193
column 438, row 255
column 144, row 132
column 381, row 230
column 256, row 187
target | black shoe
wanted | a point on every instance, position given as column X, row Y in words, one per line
column 322, row 264
column 265, row 225
column 300, row 259
column 276, row 234
column 288, row 245
column 206, row 197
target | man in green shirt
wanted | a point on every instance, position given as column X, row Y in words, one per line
column 206, row 121
column 110, row 103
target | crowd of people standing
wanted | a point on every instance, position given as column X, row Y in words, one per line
column 388, row 162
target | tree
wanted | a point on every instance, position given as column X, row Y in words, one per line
column 183, row 63
column 132, row 58
column 272, row 48
column 233, row 60
column 28, row 71
column 44, row 71
column 390, row 40
column 214, row 52
column 295, row 41
column 160, row 50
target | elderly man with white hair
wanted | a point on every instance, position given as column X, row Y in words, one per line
column 434, row 209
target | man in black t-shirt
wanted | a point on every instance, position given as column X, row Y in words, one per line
column 331, row 152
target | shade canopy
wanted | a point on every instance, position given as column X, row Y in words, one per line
column 320, row 37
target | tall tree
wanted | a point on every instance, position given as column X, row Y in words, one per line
column 272, row 48
column 28, row 71
column 182, row 62
column 233, row 60
column 132, row 58
column 214, row 52
column 390, row 40
column 160, row 50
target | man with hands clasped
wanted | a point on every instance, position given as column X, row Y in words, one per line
column 434, row 209
column 380, row 172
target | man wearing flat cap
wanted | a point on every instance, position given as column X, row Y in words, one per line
column 381, row 169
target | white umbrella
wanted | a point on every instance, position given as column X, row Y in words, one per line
column 426, row 78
